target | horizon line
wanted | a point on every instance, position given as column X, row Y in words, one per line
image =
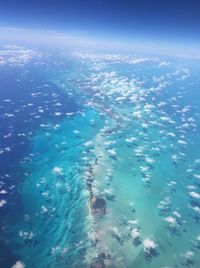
column 84, row 40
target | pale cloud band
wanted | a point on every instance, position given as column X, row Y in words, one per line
column 83, row 40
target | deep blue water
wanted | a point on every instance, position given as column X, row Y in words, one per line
column 133, row 127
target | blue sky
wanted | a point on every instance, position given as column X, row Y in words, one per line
column 165, row 21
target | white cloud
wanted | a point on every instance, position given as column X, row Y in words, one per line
column 18, row 264
column 164, row 63
column 135, row 233
column 16, row 55
column 2, row 203
column 172, row 221
column 57, row 170
column 149, row 245
column 111, row 57
column 194, row 195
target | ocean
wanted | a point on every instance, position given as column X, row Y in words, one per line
column 85, row 126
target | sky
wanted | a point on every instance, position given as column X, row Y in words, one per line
column 175, row 22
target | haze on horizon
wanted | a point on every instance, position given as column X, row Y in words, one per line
column 170, row 27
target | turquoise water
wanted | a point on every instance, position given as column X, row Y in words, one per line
column 130, row 123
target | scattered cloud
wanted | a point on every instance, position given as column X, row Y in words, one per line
column 16, row 55
column 19, row 264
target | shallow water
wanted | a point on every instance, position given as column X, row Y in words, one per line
column 133, row 127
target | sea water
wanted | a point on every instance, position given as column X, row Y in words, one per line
column 130, row 122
